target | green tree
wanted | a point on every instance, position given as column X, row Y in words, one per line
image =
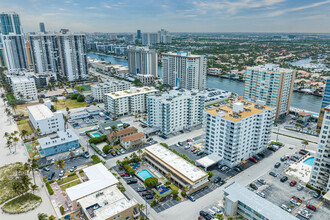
column 141, row 207
column 52, row 217
column 151, row 182
column 157, row 197
column 81, row 98
column 34, row 187
column 24, row 133
column 42, row 216
column 210, row 173
column 60, row 164
column 219, row 216
column 305, row 143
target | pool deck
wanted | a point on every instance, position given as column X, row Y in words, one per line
column 300, row 171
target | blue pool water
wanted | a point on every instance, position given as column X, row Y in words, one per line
column 96, row 134
column 309, row 161
column 144, row 174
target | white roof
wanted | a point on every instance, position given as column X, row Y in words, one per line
column 21, row 79
column 98, row 178
column 132, row 91
column 209, row 160
column 176, row 162
column 111, row 202
column 61, row 137
column 40, row 112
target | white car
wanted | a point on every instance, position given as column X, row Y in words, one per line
column 61, row 173
column 261, row 194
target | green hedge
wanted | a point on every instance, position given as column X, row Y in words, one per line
column 49, row 188
column 97, row 140
column 52, row 181
column 96, row 159
column 71, row 174
column 62, row 210
column 129, row 169
column 96, row 149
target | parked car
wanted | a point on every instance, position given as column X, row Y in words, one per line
column 182, row 131
column 205, row 215
column 261, row 154
column 192, row 150
column 303, row 152
column 117, row 152
column 191, row 198
column 107, row 119
column 113, row 154
column 300, row 187
column 51, row 175
column 217, row 179
column 103, row 155
column 261, row 194
column 124, row 174
column 61, row 174
column 237, row 169
column 316, row 194
column 189, row 140
column 286, row 208
column 85, row 156
column 273, row 174
column 253, row 160
column 73, row 168
column 131, row 181
column 293, row 183
column 221, row 182
column 262, row 181
column 201, row 218
column 180, row 143
column 297, row 199
column 141, row 189
column 283, row 179
column 256, row 157
column 200, row 153
column 277, row 165
column 186, row 147
column 145, row 193
column 253, row 186
column 46, row 169
column 311, row 207
column 149, row 196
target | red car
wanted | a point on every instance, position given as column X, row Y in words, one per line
column 188, row 140
column 253, row 160
column 88, row 105
column 303, row 152
column 192, row 150
column 293, row 182
column 201, row 218
column 124, row 174
column 17, row 119
column 311, row 207
column 297, row 199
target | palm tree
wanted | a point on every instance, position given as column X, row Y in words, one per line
column 42, row 216
column 34, row 187
column 52, row 217
column 9, row 143
column 141, row 207
column 305, row 143
column 25, row 181
column 60, row 164
column 15, row 139
column 33, row 166
column 140, row 152
column 168, row 175
column 24, row 133
column 38, row 130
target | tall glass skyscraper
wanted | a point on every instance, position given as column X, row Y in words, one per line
column 10, row 23
column 325, row 103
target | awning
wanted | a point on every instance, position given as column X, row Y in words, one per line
column 209, row 160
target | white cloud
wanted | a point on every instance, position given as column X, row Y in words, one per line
column 164, row 6
column 61, row 9
column 106, row 5
column 91, row 8
column 280, row 12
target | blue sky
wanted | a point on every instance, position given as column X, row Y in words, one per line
column 174, row 15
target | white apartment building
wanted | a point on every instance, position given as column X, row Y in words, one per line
column 238, row 131
column 132, row 101
column 176, row 110
column 184, row 70
column 99, row 90
column 142, row 60
column 150, row 38
column 43, row 118
column 321, row 167
column 15, row 52
column 271, row 84
column 24, row 88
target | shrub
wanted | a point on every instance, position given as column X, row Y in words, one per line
column 62, row 210
column 97, row 140
column 80, row 98
column 45, row 178
column 106, row 149
column 49, row 188
column 74, row 96
column 210, row 173
column 177, row 198
column 183, row 193
column 151, row 182
column 129, row 169
column 96, row 159
column 52, row 181
column 167, row 183
column 153, row 203
column 71, row 174
column 81, row 171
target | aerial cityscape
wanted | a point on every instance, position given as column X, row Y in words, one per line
column 161, row 110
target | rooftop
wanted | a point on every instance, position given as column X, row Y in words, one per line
column 270, row 68
column 21, row 79
column 182, row 54
column 106, row 203
column 177, row 94
column 111, row 83
column 237, row 192
column 132, row 91
column 108, row 125
column 98, row 178
column 133, row 137
column 249, row 108
column 40, row 112
column 175, row 163
column 122, row 132
column 93, row 108
column 60, row 137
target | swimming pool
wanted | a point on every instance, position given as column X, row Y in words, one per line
column 309, row 161
column 144, row 174
column 96, row 134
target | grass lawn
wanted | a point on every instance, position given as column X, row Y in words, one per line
column 67, row 179
column 174, row 187
column 85, row 87
column 65, row 186
column 10, row 96
column 22, row 109
column 22, row 204
column 32, row 151
column 63, row 103
column 7, row 172
column 24, row 125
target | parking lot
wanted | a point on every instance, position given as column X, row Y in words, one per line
column 281, row 193
column 77, row 161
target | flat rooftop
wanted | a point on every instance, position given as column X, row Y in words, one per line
column 237, row 192
column 99, row 178
column 61, row 137
column 175, row 163
column 106, row 203
column 133, row 137
column 272, row 68
column 40, row 112
column 173, row 95
column 109, row 84
column 21, row 79
column 182, row 54
column 250, row 108
column 132, row 91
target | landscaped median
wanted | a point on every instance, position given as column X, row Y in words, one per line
column 22, row 204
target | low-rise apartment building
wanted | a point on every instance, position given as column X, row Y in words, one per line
column 133, row 140
column 24, row 88
column 176, row 110
column 238, row 200
column 117, row 135
column 60, row 142
column 238, row 131
column 99, row 90
column 99, row 198
column 183, row 173
column 43, row 118
column 133, row 101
